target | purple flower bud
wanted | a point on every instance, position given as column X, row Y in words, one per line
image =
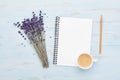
column 19, row 32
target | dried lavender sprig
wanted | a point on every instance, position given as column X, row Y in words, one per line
column 33, row 28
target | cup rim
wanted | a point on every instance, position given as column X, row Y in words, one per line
column 89, row 65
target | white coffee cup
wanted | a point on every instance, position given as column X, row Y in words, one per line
column 85, row 61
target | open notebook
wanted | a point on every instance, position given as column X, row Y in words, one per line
column 72, row 37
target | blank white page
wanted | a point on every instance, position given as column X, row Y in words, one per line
column 74, row 39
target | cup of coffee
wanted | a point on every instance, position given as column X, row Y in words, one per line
column 85, row 61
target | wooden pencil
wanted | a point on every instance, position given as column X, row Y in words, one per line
column 100, row 39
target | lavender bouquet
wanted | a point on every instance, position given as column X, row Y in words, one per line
column 33, row 28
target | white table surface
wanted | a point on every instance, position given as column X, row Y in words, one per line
column 20, row 62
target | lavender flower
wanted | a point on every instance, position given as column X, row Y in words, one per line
column 34, row 29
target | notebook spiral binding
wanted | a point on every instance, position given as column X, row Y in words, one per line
column 56, row 40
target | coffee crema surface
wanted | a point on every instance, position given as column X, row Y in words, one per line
column 84, row 60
